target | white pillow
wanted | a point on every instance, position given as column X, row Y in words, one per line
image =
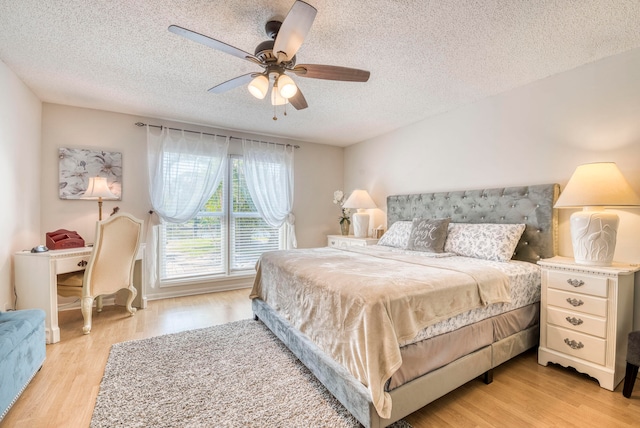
column 484, row 240
column 397, row 235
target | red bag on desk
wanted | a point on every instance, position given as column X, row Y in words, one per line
column 62, row 239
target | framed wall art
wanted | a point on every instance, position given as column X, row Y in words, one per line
column 77, row 165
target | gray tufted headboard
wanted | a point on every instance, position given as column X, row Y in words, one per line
column 531, row 205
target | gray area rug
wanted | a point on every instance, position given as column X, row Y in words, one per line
column 232, row 375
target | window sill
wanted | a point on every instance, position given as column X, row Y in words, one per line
column 201, row 285
column 210, row 279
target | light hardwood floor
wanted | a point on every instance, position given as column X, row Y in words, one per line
column 522, row 394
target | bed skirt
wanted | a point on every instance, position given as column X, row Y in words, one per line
column 406, row 398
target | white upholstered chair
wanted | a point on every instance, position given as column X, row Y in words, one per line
column 110, row 267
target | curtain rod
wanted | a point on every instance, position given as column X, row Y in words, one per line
column 295, row 146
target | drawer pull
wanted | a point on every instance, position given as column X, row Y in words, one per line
column 575, row 282
column 82, row 263
column 574, row 302
column 573, row 344
column 574, row 320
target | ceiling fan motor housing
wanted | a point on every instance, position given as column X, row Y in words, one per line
column 264, row 51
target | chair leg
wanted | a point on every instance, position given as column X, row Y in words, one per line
column 132, row 295
column 86, row 305
column 630, row 379
column 99, row 303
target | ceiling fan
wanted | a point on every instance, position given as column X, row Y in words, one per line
column 277, row 57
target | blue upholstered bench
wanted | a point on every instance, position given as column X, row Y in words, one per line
column 22, row 352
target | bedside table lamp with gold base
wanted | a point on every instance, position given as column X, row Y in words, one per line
column 594, row 187
column 98, row 189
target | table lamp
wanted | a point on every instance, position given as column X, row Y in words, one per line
column 594, row 187
column 98, row 189
column 361, row 201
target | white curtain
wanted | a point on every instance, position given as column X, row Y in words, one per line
column 185, row 168
column 268, row 169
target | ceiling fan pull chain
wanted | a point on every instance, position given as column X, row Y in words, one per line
column 274, row 113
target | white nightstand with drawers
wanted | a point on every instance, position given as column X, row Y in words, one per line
column 586, row 314
column 348, row 240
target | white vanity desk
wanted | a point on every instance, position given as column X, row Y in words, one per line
column 36, row 282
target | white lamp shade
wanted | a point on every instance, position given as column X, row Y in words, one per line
column 286, row 86
column 593, row 187
column 360, row 199
column 98, row 188
column 259, row 86
column 598, row 185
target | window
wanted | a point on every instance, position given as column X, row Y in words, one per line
column 226, row 237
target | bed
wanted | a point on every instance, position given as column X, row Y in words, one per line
column 446, row 320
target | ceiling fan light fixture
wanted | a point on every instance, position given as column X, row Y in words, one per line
column 259, row 86
column 286, row 86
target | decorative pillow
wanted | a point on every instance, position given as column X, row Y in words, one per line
column 428, row 234
column 397, row 235
column 484, row 240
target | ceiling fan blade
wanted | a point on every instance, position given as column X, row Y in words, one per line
column 331, row 72
column 233, row 83
column 213, row 43
column 298, row 101
column 294, row 29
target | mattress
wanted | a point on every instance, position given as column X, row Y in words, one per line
column 524, row 282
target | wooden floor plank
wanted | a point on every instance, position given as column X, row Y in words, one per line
column 523, row 392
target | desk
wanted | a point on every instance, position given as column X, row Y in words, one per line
column 36, row 281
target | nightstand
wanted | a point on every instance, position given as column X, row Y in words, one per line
column 348, row 240
column 586, row 313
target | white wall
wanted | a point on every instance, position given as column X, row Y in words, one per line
column 535, row 134
column 318, row 172
column 20, row 113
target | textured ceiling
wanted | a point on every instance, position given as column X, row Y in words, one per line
column 425, row 57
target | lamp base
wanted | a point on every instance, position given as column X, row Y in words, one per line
column 360, row 224
column 593, row 235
